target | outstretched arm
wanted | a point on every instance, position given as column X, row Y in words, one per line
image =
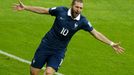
column 104, row 39
column 35, row 9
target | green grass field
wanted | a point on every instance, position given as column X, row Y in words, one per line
column 21, row 33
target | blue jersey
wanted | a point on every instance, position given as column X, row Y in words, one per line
column 64, row 28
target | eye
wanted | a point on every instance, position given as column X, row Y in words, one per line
column 76, row 6
column 81, row 8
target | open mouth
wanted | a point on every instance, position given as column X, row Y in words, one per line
column 77, row 13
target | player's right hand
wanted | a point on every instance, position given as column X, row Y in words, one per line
column 19, row 6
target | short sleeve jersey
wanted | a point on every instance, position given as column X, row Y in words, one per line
column 64, row 27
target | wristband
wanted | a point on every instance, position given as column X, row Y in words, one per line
column 112, row 43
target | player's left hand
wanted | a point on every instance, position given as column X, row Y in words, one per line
column 118, row 48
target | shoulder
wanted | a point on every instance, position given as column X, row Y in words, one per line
column 83, row 19
column 57, row 10
column 62, row 8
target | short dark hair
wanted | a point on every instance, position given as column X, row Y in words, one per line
column 73, row 2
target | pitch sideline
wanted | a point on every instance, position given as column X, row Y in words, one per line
column 21, row 60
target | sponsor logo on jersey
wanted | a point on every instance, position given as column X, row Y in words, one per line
column 61, row 18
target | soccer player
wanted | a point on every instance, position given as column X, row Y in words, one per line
column 67, row 22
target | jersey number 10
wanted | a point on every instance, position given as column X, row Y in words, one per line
column 64, row 31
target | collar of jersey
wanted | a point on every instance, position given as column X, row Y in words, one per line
column 69, row 14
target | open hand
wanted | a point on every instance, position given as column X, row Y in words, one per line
column 19, row 6
column 118, row 48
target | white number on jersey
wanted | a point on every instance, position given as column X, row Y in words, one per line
column 64, row 31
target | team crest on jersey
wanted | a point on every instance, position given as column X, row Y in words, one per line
column 75, row 25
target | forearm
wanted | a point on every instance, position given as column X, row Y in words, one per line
column 102, row 38
column 39, row 10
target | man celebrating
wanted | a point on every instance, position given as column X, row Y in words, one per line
column 52, row 48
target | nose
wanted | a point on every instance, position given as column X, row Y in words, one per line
column 79, row 10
